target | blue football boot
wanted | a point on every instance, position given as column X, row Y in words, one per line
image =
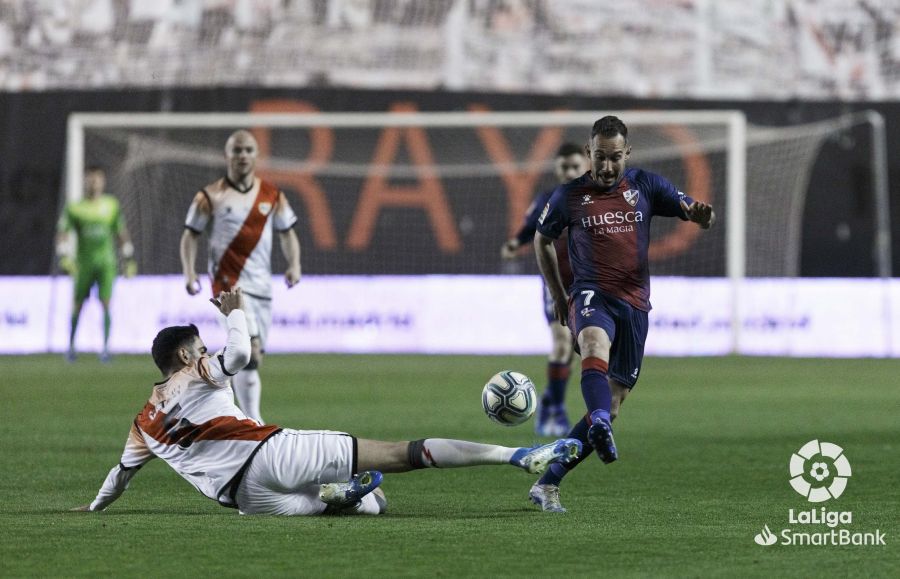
column 536, row 460
column 600, row 435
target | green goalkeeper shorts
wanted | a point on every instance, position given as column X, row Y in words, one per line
column 89, row 273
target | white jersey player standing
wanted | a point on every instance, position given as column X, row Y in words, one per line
column 239, row 212
column 192, row 423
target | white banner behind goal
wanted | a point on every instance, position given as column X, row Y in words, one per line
column 461, row 314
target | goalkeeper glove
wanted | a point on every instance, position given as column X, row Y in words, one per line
column 129, row 265
column 129, row 268
column 64, row 257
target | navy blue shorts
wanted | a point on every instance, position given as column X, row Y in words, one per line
column 625, row 325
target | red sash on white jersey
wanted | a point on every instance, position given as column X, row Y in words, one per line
column 235, row 256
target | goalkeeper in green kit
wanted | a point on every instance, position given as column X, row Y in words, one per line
column 97, row 223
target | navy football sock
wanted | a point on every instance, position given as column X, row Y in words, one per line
column 595, row 387
column 557, row 471
column 557, row 378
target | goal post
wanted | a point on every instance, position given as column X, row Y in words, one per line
column 484, row 166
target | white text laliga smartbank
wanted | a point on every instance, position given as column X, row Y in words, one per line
column 819, row 472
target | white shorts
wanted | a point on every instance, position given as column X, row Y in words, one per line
column 259, row 317
column 284, row 476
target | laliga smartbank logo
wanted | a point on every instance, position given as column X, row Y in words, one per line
column 819, row 472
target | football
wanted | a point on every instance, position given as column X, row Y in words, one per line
column 508, row 398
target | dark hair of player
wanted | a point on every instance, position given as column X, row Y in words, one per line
column 94, row 169
column 567, row 149
column 608, row 127
column 166, row 344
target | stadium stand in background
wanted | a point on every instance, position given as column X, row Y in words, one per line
column 781, row 49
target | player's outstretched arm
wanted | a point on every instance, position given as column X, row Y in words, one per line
column 546, row 258
column 115, row 484
column 137, row 454
column 700, row 213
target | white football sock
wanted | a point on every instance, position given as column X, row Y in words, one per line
column 448, row 453
column 248, row 391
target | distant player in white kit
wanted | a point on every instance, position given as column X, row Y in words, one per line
column 192, row 423
column 240, row 212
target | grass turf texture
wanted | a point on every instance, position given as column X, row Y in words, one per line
column 704, row 447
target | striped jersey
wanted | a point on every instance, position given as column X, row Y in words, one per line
column 240, row 227
column 192, row 423
column 609, row 230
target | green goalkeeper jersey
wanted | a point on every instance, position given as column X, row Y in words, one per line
column 96, row 223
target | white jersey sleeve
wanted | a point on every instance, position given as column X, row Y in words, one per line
column 197, row 219
column 135, row 455
column 236, row 354
column 284, row 217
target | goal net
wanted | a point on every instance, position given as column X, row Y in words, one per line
column 427, row 193
column 438, row 193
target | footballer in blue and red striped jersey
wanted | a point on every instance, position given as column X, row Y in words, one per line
column 609, row 231
column 552, row 420
column 607, row 213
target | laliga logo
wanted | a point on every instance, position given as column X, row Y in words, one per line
column 819, row 471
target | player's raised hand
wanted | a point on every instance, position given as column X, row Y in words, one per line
column 229, row 300
column 700, row 213
column 192, row 284
column 292, row 276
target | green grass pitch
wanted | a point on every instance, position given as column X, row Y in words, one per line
column 704, row 446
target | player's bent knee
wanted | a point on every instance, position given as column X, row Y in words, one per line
column 253, row 364
column 595, row 349
column 594, row 343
